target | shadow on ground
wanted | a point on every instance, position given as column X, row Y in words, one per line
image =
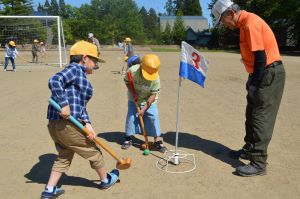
column 40, row 173
column 211, row 148
column 119, row 138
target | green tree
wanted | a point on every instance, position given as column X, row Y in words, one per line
column 40, row 8
column 46, row 5
column 153, row 27
column 167, row 35
column 145, row 18
column 188, row 7
column 62, row 9
column 109, row 20
column 179, row 29
column 54, row 8
column 192, row 8
column 179, row 6
column 16, row 7
column 170, row 7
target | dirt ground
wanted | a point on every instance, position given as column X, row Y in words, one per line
column 211, row 124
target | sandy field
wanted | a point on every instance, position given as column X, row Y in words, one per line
column 211, row 124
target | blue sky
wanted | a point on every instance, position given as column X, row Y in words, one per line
column 158, row 5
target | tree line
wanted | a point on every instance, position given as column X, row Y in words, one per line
column 112, row 20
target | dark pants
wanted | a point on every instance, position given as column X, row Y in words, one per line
column 7, row 61
column 34, row 57
column 261, row 112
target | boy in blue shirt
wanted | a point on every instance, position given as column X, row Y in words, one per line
column 72, row 90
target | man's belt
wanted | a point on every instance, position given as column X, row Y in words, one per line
column 275, row 63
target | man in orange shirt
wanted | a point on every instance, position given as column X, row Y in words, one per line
column 265, row 83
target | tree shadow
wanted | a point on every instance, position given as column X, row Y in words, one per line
column 211, row 148
column 119, row 137
column 40, row 173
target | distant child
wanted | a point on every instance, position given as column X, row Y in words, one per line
column 11, row 53
column 128, row 47
column 42, row 49
column 35, row 50
column 147, row 86
column 72, row 90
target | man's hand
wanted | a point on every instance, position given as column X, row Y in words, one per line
column 252, row 90
column 65, row 112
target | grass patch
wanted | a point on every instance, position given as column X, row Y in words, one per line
column 200, row 50
column 165, row 50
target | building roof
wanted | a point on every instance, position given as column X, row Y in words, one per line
column 183, row 17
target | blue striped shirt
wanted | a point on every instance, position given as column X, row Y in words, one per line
column 70, row 87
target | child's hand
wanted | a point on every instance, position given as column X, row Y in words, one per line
column 65, row 112
column 142, row 111
column 90, row 128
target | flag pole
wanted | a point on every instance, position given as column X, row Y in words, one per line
column 176, row 159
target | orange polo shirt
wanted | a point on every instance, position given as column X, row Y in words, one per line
column 255, row 34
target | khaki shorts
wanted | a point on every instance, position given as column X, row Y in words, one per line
column 69, row 140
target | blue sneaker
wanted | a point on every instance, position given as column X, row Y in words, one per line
column 57, row 191
column 113, row 178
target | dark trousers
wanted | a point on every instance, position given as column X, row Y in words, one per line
column 34, row 57
column 7, row 61
column 261, row 112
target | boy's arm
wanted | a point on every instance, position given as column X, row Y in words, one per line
column 58, row 82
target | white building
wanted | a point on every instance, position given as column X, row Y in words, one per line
column 197, row 23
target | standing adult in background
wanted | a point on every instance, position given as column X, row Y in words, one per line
column 35, row 49
column 265, row 83
column 128, row 47
column 95, row 41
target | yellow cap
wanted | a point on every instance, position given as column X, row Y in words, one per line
column 150, row 67
column 42, row 43
column 35, row 41
column 12, row 43
column 84, row 48
column 125, row 58
column 127, row 39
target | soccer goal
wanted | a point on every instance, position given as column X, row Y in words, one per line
column 45, row 32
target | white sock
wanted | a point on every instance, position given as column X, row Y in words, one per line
column 49, row 189
column 104, row 180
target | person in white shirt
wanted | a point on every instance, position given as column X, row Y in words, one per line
column 11, row 53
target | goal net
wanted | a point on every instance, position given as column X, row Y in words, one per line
column 40, row 34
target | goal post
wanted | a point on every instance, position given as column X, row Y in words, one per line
column 25, row 29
